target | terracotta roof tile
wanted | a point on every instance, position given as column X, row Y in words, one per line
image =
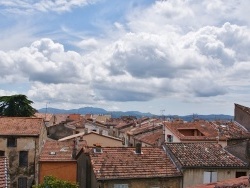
column 45, row 116
column 204, row 155
column 150, row 138
column 209, row 130
column 4, row 168
column 58, row 151
column 147, row 126
column 123, row 162
column 20, row 126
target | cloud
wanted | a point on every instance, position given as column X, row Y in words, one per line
column 168, row 49
column 28, row 7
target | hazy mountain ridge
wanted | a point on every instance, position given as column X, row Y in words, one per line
column 117, row 114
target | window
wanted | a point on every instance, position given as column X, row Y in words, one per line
column 11, row 142
column 169, row 138
column 23, row 158
column 209, row 177
column 120, row 185
column 239, row 174
column 22, row 182
column 2, row 153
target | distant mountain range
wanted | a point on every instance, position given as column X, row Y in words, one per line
column 117, row 114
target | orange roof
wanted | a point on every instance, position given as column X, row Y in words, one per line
column 150, row 138
column 45, row 116
column 4, row 168
column 21, row 126
column 234, row 182
column 123, row 163
column 58, row 151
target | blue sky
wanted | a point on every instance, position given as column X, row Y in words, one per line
column 180, row 56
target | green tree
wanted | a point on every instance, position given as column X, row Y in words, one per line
column 52, row 182
column 16, row 106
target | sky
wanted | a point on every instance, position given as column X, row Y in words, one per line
column 166, row 57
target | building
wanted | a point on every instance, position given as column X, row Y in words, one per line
column 93, row 138
column 205, row 162
column 21, row 141
column 59, row 160
column 130, row 167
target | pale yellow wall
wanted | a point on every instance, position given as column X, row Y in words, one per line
column 104, row 141
column 195, row 176
column 146, row 183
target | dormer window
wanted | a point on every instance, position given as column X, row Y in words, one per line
column 169, row 138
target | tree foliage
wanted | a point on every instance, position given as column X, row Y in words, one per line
column 52, row 182
column 16, row 106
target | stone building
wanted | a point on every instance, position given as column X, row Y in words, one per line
column 21, row 140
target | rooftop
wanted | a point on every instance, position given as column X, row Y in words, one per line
column 123, row 163
column 59, row 151
column 21, row 126
column 204, row 155
column 150, row 138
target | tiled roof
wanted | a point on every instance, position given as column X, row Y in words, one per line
column 20, row 126
column 123, row 163
column 150, row 138
column 145, row 127
column 230, row 130
column 210, row 130
column 45, row 116
column 58, row 151
column 4, row 176
column 240, row 182
column 203, row 155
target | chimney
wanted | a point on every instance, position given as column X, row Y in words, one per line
column 138, row 148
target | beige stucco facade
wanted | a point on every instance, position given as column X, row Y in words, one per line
column 196, row 176
column 104, row 141
column 31, row 144
column 173, row 182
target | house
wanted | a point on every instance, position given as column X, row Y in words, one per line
column 222, row 132
column 47, row 117
column 130, row 167
column 242, row 115
column 93, row 138
column 59, row 159
column 4, row 172
column 152, row 138
column 149, row 126
column 205, row 162
column 21, row 141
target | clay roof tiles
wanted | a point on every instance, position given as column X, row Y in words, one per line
column 150, row 138
column 58, row 151
column 124, row 163
column 204, row 155
column 21, row 126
